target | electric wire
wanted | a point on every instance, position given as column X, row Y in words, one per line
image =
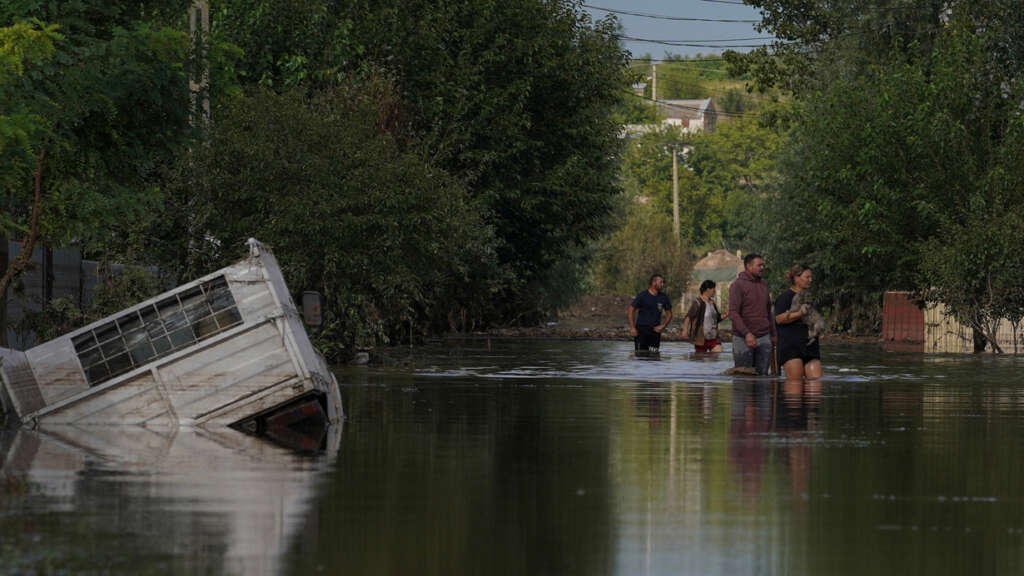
column 673, row 18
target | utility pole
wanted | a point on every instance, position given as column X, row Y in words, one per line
column 675, row 193
column 199, row 28
column 654, row 82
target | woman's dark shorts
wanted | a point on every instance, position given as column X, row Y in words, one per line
column 802, row 350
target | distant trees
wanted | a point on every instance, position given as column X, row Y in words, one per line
column 903, row 169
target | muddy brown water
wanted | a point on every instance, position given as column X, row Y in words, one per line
column 555, row 457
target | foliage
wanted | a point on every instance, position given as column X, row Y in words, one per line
column 902, row 146
column 647, row 170
column 725, row 179
column 815, row 39
column 516, row 99
column 634, row 109
column 93, row 97
column 735, row 167
column 643, row 246
column 735, row 101
column 678, row 78
column 285, row 44
column 394, row 243
column 100, row 88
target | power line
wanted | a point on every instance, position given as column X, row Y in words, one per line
column 680, row 60
column 663, row 17
column 725, row 39
column 702, row 68
column 694, row 108
column 690, row 44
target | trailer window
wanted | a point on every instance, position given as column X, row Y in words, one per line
column 143, row 335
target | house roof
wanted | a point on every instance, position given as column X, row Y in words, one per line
column 685, row 108
column 719, row 266
column 718, row 259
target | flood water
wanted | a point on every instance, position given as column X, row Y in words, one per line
column 555, row 457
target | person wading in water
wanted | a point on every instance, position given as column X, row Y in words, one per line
column 798, row 355
column 647, row 307
column 701, row 323
column 753, row 325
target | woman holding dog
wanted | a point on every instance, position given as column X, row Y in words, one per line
column 798, row 358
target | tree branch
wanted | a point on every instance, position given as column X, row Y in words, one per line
column 25, row 255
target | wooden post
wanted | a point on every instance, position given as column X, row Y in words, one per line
column 654, row 82
column 675, row 193
column 199, row 28
column 4, row 261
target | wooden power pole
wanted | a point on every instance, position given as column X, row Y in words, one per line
column 654, row 83
column 199, row 28
column 675, row 193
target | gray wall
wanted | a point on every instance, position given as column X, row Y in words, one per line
column 53, row 273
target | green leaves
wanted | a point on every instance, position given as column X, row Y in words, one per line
column 514, row 99
column 28, row 43
column 103, row 89
column 905, row 153
column 381, row 230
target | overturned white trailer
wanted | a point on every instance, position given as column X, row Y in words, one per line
column 226, row 349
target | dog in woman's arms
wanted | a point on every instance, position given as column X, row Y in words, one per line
column 814, row 320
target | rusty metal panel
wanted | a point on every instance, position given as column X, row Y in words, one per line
column 902, row 319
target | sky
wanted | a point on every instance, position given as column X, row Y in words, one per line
column 692, row 32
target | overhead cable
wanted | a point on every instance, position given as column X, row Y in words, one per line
column 664, row 17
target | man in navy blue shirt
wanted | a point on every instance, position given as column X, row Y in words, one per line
column 644, row 315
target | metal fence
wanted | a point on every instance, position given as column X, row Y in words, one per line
column 944, row 335
column 52, row 273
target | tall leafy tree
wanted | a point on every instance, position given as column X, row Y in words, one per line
column 906, row 116
column 94, row 99
column 515, row 99
column 395, row 244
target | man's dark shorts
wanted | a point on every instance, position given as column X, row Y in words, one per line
column 646, row 338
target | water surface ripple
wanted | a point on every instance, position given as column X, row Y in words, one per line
column 557, row 457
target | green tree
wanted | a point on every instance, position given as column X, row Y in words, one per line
column 516, row 99
column 644, row 245
column 736, row 169
column 899, row 140
column 93, row 98
column 395, row 244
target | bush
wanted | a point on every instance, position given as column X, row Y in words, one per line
column 394, row 243
column 627, row 258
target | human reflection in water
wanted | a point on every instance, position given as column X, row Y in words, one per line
column 750, row 419
column 796, row 417
column 761, row 411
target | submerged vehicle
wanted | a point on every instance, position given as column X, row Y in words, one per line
column 227, row 349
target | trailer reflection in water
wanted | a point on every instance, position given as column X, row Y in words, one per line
column 175, row 501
